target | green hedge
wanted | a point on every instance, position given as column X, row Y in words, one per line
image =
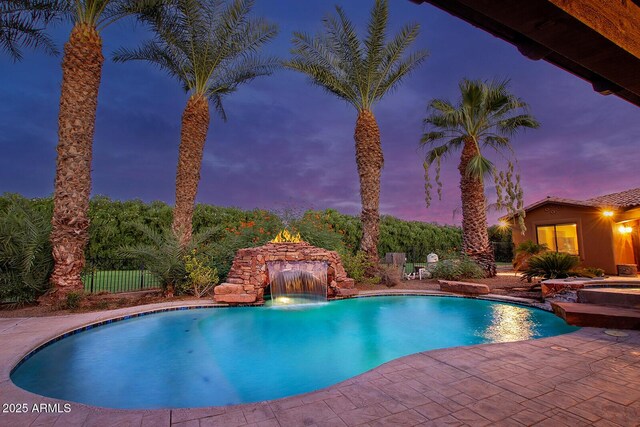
column 112, row 228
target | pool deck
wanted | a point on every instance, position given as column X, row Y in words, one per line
column 583, row 378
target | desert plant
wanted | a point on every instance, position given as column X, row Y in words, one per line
column 73, row 300
column 360, row 72
column 202, row 277
column 81, row 73
column 211, row 48
column 165, row 256
column 457, row 268
column 356, row 265
column 25, row 252
column 484, row 118
column 589, row 272
column 525, row 251
column 550, row 265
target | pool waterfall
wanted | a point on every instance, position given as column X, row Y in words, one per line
column 298, row 282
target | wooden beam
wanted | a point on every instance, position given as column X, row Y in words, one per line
column 596, row 40
column 617, row 20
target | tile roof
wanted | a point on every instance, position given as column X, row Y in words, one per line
column 623, row 199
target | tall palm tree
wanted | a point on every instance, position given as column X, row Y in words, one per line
column 211, row 48
column 81, row 73
column 22, row 24
column 486, row 116
column 360, row 72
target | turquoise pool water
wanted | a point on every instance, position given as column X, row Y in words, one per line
column 210, row 357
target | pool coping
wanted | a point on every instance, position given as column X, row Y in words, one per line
column 23, row 337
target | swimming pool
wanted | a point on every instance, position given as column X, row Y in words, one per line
column 221, row 356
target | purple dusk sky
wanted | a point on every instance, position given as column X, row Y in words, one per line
column 289, row 143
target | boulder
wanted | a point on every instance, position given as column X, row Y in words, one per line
column 235, row 298
column 464, row 288
column 228, row 288
column 347, row 292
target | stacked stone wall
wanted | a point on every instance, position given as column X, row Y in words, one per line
column 249, row 274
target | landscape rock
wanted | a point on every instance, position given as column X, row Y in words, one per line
column 464, row 288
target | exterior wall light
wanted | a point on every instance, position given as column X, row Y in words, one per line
column 624, row 229
column 503, row 224
column 607, row 213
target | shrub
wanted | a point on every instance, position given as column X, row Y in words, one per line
column 73, row 301
column 356, row 266
column 550, row 265
column 316, row 232
column 164, row 257
column 25, row 252
column 202, row 277
column 457, row 269
column 590, row 272
column 525, row 251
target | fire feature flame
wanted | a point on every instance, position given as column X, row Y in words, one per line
column 285, row 237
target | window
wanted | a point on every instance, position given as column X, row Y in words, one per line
column 559, row 237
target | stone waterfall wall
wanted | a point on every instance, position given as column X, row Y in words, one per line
column 249, row 273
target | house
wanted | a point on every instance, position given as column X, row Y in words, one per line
column 603, row 231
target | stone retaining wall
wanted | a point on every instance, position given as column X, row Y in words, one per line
column 249, row 273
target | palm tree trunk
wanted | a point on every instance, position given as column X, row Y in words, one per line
column 370, row 160
column 81, row 72
column 195, row 125
column 475, row 237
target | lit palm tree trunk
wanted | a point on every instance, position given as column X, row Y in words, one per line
column 195, row 125
column 370, row 160
column 475, row 240
column 81, row 71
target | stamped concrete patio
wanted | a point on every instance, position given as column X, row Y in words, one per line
column 583, row 378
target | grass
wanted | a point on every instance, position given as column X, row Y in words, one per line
column 119, row 281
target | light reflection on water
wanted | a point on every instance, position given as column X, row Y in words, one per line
column 509, row 323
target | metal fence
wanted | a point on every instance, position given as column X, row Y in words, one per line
column 502, row 251
column 97, row 279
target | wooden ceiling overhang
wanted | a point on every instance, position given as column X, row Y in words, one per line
column 597, row 40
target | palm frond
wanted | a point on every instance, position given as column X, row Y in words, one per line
column 399, row 71
column 478, row 167
column 437, row 153
column 175, row 63
column 210, row 46
column 513, row 124
column 376, row 35
column 358, row 71
column 23, row 23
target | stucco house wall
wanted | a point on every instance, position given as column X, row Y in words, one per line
column 595, row 232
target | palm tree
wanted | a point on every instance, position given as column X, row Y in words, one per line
column 485, row 117
column 81, row 73
column 22, row 24
column 211, row 48
column 360, row 73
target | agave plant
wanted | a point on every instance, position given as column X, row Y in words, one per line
column 551, row 265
